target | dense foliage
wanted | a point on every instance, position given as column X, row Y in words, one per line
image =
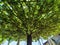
column 19, row 18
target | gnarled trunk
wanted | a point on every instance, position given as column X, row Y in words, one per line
column 29, row 39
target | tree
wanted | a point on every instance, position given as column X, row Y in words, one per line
column 31, row 17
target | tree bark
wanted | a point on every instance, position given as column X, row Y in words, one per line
column 18, row 42
column 8, row 42
column 29, row 39
column 39, row 41
column 0, row 44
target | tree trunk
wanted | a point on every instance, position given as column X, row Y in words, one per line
column 18, row 41
column 29, row 39
column 39, row 41
column 8, row 42
column 0, row 44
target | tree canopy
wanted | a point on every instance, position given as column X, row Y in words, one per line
column 25, row 17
